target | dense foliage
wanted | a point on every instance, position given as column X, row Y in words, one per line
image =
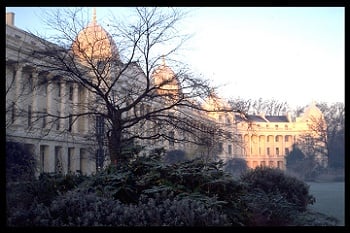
column 150, row 192
column 274, row 181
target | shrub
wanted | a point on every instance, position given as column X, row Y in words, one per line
column 236, row 166
column 273, row 180
column 175, row 156
column 268, row 209
column 83, row 208
column 20, row 196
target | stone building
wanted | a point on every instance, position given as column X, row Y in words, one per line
column 69, row 144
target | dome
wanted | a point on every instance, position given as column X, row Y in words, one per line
column 165, row 78
column 93, row 42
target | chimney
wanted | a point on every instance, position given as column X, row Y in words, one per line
column 289, row 116
column 10, row 18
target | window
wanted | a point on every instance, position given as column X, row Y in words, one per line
column 286, row 151
column 99, row 158
column 59, row 89
column 271, row 164
column 46, row 89
column 29, row 115
column 100, row 125
column 220, row 147
column 280, row 164
column 71, row 91
column 58, row 161
column 30, row 82
column 70, row 158
column 70, row 123
column 286, row 126
column 268, row 150
column 58, row 121
column 142, row 109
column 277, row 151
column 276, row 139
column 229, row 149
column 263, row 163
column 268, row 139
column 42, row 158
column 44, row 117
column 171, row 138
column 276, row 126
column 286, row 138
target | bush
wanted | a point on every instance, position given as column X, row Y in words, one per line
column 83, row 208
column 20, row 196
column 236, row 166
column 150, row 177
column 273, row 180
column 175, row 156
column 148, row 192
column 268, row 209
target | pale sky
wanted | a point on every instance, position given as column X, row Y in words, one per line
column 292, row 54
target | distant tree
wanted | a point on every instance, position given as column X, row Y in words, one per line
column 334, row 115
column 294, row 158
column 268, row 106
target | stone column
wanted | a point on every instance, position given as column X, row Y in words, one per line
column 35, row 106
column 49, row 101
column 64, row 159
column 50, row 159
column 86, row 118
column 18, row 96
column 75, row 107
column 63, row 104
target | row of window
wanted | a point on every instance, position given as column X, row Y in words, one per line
column 271, row 164
column 44, row 117
column 268, row 150
column 45, row 86
column 71, row 165
column 268, row 138
column 276, row 126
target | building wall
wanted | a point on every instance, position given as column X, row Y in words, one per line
column 64, row 146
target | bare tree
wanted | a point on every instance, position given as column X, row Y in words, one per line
column 334, row 115
column 314, row 142
column 118, row 85
column 270, row 107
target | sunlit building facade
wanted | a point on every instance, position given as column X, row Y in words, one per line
column 264, row 140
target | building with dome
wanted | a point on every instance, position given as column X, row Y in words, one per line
column 69, row 144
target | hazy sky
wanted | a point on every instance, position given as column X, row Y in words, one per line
column 293, row 54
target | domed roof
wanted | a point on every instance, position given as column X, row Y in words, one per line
column 94, row 42
column 165, row 78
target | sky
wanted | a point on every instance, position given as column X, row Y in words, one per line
column 292, row 54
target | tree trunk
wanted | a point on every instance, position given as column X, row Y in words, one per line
column 115, row 147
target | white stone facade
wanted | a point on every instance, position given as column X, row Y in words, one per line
column 65, row 145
